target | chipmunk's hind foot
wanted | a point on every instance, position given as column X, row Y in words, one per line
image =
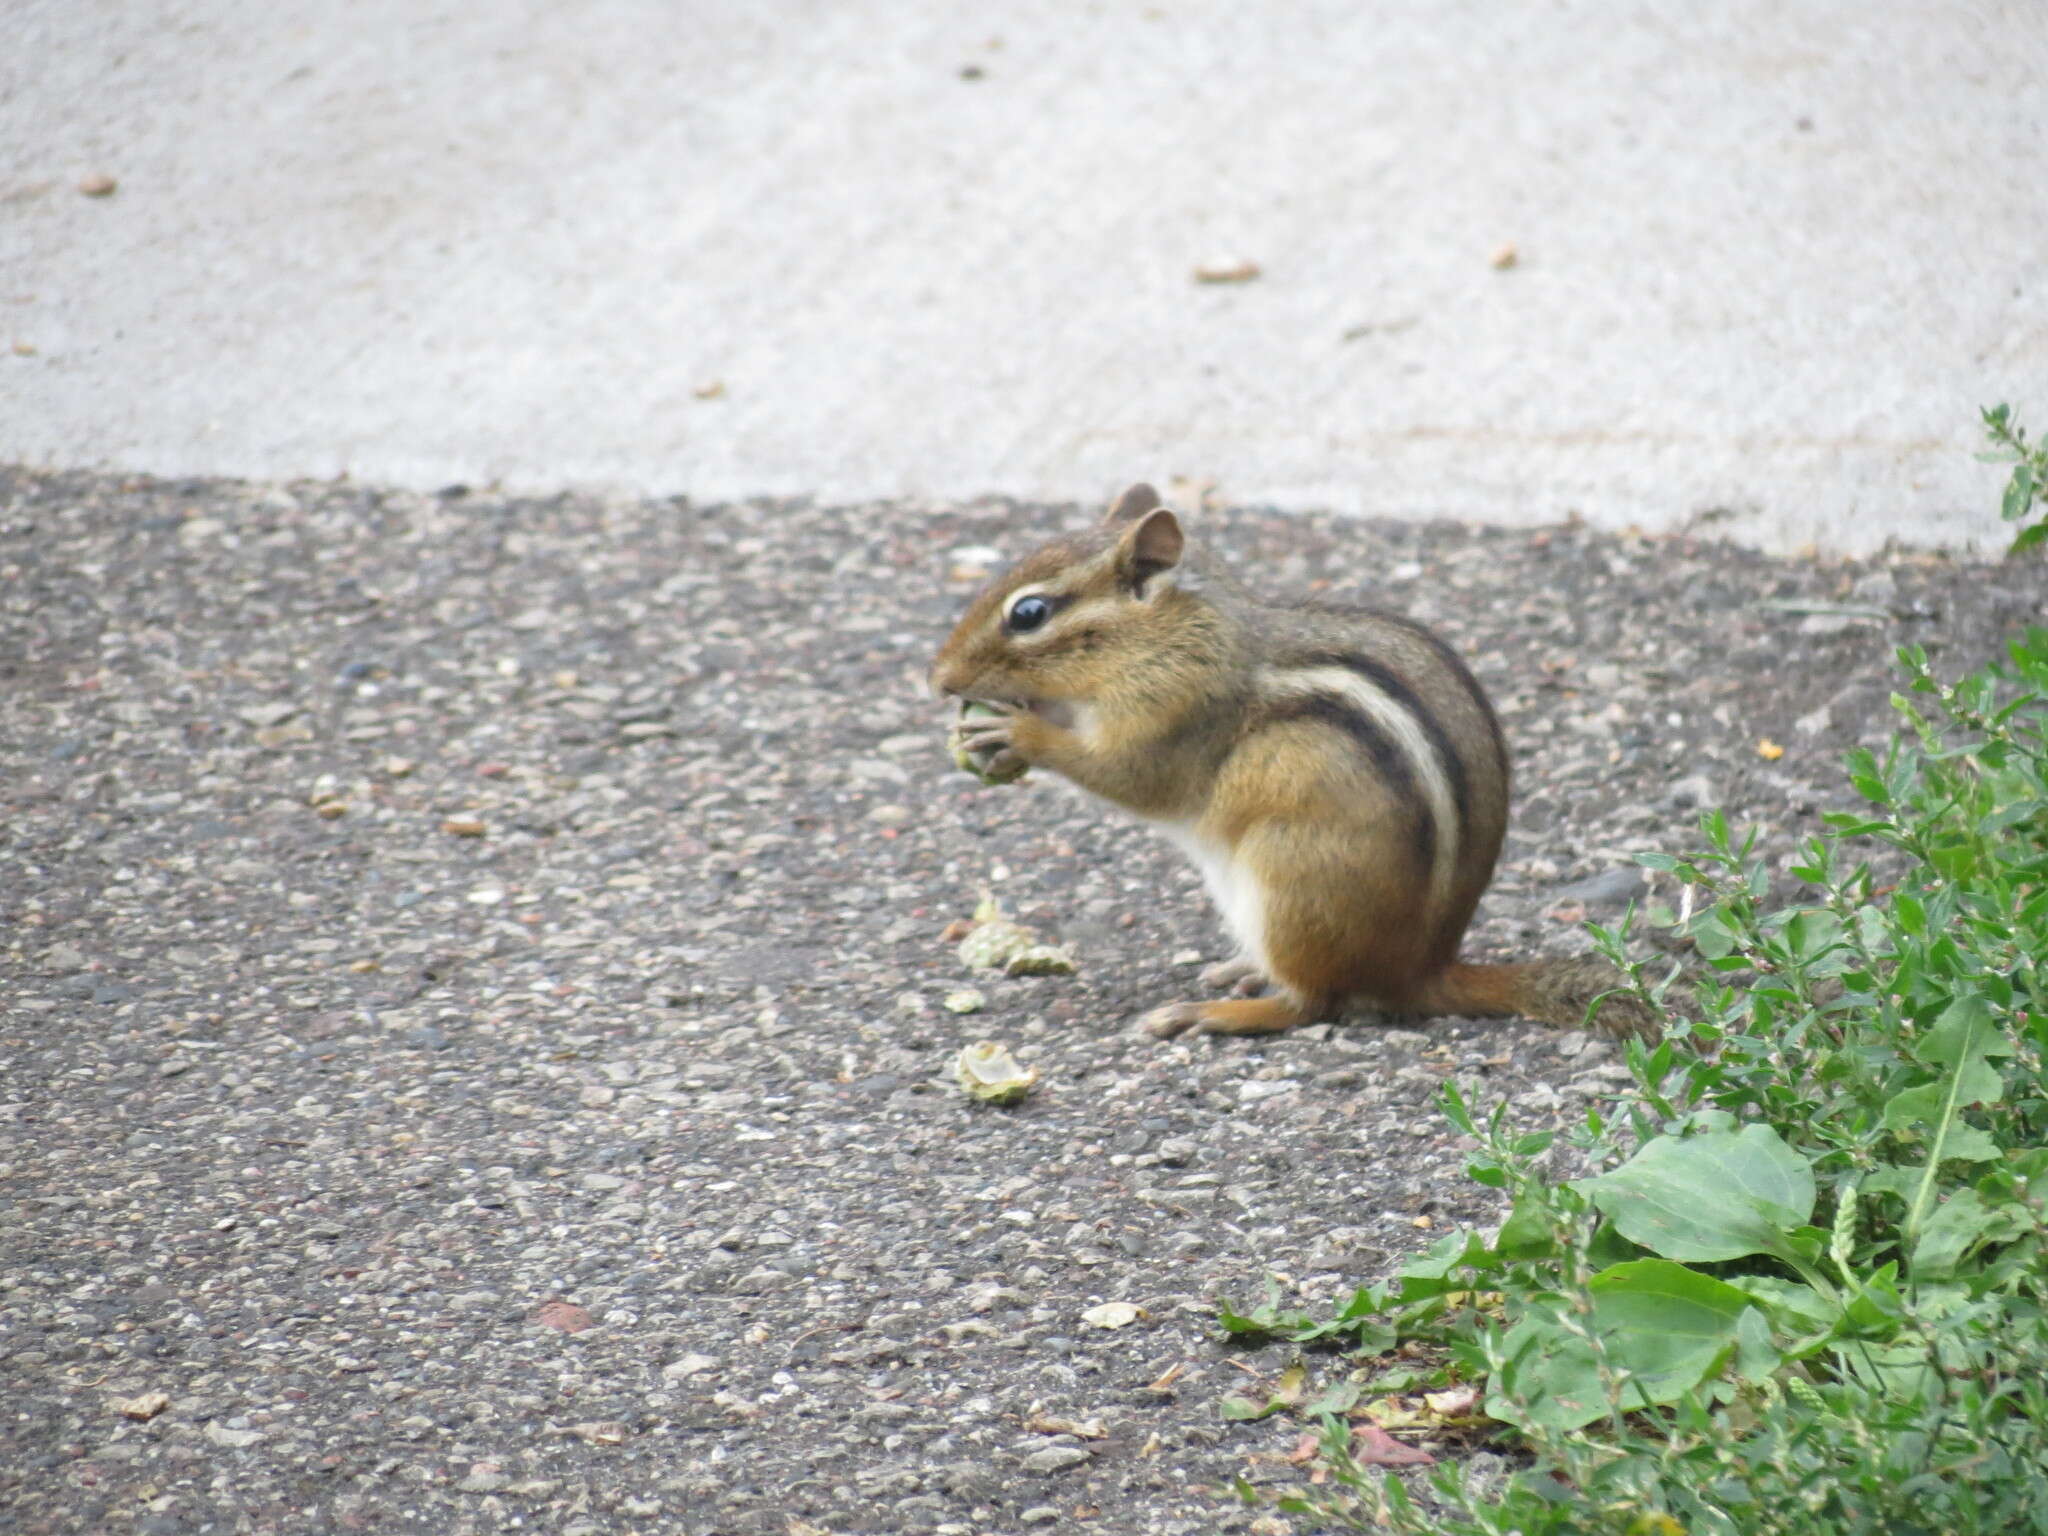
column 1235, row 1016
column 1240, row 974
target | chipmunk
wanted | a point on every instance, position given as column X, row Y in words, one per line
column 1336, row 774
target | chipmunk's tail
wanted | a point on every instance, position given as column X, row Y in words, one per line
column 1580, row 992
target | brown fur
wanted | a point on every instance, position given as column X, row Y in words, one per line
column 1554, row 992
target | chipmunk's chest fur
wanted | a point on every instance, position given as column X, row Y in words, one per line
column 1237, row 895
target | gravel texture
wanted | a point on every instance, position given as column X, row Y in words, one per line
column 477, row 1034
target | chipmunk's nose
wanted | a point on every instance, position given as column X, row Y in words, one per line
column 943, row 684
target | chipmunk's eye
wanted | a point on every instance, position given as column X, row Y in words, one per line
column 1026, row 614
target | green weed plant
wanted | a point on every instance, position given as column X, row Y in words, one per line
column 2026, row 488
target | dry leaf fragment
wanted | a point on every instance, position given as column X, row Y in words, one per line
column 1452, row 1403
column 144, row 1408
column 992, row 944
column 1085, row 1429
column 609, row 1432
column 1040, row 960
column 1372, row 1446
column 1230, row 269
column 990, row 1073
column 1168, row 1377
column 563, row 1317
column 1392, row 1413
column 463, row 826
column 1292, row 1387
column 1113, row 1314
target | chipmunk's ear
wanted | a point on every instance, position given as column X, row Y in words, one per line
column 1132, row 505
column 1149, row 548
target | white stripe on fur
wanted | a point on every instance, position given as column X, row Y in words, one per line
column 1408, row 736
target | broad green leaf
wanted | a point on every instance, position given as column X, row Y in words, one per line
column 1608, row 1247
column 1899, row 1368
column 1756, row 1354
column 1959, row 1224
column 1960, row 1044
column 1795, row 1308
column 2030, row 1164
column 1967, row 1144
column 1368, row 1339
column 1663, row 1328
column 1962, row 1144
column 1719, row 1196
column 1234, row 1321
column 1967, row 1031
column 1353, row 1319
column 1340, row 1397
column 1931, row 1103
column 1877, row 1307
column 1527, row 1233
column 1713, row 937
column 1452, row 1252
column 1266, row 1317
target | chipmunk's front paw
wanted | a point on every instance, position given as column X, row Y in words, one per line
column 980, row 743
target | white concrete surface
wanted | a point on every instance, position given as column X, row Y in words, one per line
column 1772, row 256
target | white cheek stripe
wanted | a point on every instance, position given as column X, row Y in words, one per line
column 1391, row 716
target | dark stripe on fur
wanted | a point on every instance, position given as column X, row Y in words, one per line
column 1388, row 760
column 1395, row 687
column 1464, row 675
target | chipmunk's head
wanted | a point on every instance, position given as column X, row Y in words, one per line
column 1066, row 619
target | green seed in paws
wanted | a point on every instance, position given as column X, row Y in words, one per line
column 968, row 761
